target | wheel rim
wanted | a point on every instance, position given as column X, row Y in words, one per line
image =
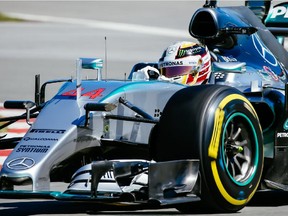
column 240, row 149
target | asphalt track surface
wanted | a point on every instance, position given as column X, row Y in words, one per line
column 60, row 32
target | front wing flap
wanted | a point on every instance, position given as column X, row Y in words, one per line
column 169, row 183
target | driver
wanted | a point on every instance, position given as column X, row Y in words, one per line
column 182, row 62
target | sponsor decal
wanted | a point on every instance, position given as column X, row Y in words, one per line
column 263, row 51
column 279, row 11
column 171, row 63
column 229, row 58
column 171, row 49
column 219, row 75
column 108, row 175
column 157, row 113
column 181, row 53
column 270, row 73
column 214, row 148
column 52, row 131
column 190, row 51
column 32, row 148
column 282, row 135
column 39, row 139
column 21, row 163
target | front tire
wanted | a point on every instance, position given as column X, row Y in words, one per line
column 219, row 126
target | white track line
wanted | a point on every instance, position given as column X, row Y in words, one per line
column 124, row 27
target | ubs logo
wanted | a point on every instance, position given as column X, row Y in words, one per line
column 263, row 51
column 21, row 163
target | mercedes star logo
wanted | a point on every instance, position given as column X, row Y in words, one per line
column 263, row 51
column 21, row 163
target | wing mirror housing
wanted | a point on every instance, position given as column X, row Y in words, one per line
column 27, row 105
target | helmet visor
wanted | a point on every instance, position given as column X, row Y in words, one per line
column 178, row 71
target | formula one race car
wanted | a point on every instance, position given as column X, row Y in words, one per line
column 163, row 144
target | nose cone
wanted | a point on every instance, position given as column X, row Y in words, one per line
column 50, row 140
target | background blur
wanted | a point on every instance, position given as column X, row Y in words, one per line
column 56, row 33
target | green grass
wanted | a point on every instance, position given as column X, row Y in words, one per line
column 5, row 18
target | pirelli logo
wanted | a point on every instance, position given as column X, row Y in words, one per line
column 47, row 131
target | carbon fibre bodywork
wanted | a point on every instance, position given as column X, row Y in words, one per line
column 60, row 126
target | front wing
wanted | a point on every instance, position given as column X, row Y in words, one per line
column 151, row 184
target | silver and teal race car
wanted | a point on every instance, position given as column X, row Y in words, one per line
column 162, row 144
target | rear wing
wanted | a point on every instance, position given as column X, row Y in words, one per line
column 275, row 17
column 259, row 8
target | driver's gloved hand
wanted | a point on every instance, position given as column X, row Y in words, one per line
column 146, row 73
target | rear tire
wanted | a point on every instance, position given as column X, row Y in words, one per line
column 219, row 126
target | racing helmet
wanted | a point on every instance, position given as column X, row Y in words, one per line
column 186, row 62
